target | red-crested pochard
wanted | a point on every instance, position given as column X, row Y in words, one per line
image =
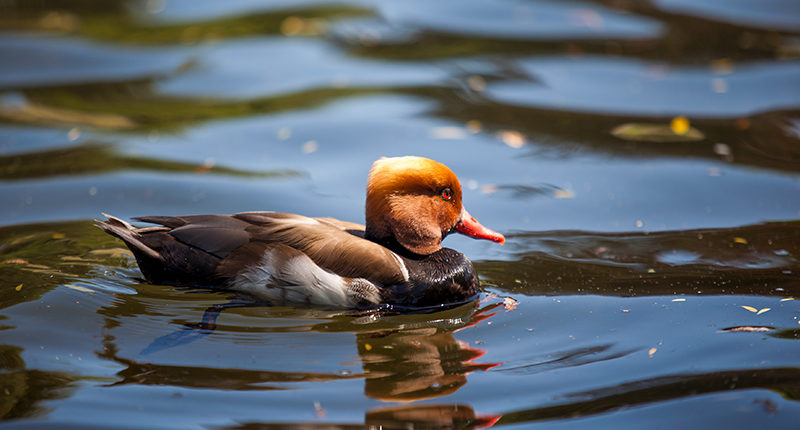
column 396, row 261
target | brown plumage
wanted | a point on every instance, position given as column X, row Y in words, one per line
column 397, row 259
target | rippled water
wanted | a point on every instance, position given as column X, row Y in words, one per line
column 642, row 157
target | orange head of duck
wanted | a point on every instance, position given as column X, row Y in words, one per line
column 417, row 201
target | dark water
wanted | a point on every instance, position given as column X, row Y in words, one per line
column 643, row 158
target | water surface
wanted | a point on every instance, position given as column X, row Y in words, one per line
column 641, row 157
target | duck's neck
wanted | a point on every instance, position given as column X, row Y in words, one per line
column 393, row 245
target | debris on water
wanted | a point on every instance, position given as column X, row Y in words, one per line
column 563, row 194
column 678, row 300
column 512, row 138
column 476, row 83
column 310, row 147
column 740, row 240
column 749, row 329
column 319, row 411
column 474, row 126
column 652, row 352
column 679, row 125
column 79, row 288
column 19, row 287
column 786, row 299
column 756, row 311
column 489, row 189
column 722, row 149
column 448, row 133
column 15, row 261
column 659, row 133
column 510, row 304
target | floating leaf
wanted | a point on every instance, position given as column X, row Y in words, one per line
column 19, row 287
column 653, row 132
column 741, row 240
column 679, row 125
column 749, row 329
column 761, row 311
column 57, row 235
column 750, row 308
column 678, row 300
column 652, row 352
column 786, row 299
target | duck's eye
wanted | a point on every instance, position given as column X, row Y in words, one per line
column 446, row 193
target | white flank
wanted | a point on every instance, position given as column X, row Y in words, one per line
column 298, row 281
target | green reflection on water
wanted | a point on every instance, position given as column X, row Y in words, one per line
column 90, row 158
column 122, row 21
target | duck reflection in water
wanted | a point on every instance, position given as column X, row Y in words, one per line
column 403, row 358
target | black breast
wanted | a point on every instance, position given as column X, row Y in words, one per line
column 445, row 277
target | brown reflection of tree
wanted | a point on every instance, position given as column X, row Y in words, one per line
column 407, row 417
column 785, row 381
column 742, row 260
column 22, row 390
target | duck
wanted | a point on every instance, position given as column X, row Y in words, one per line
column 394, row 261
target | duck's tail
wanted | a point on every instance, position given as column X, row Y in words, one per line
column 130, row 235
column 161, row 258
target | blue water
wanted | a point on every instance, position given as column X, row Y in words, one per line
column 648, row 281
